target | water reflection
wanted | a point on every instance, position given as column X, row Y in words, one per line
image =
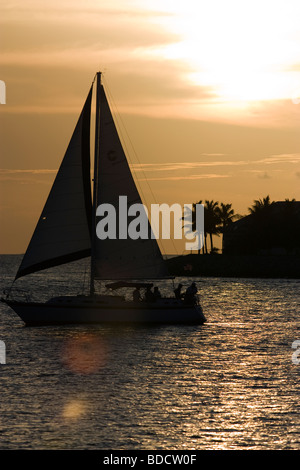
column 73, row 409
column 229, row 384
column 84, row 353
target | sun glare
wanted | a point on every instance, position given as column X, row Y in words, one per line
column 244, row 51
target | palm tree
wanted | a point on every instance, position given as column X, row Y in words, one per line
column 225, row 214
column 190, row 217
column 211, row 220
column 260, row 205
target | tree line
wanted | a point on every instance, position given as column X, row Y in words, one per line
column 218, row 216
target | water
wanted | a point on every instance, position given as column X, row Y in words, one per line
column 229, row 384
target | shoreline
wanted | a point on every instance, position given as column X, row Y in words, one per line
column 244, row 266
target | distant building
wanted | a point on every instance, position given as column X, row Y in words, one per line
column 274, row 230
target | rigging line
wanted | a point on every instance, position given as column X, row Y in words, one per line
column 94, row 78
column 120, row 126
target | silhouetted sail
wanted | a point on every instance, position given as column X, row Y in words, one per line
column 63, row 233
column 120, row 258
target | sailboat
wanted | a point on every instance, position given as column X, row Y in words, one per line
column 66, row 231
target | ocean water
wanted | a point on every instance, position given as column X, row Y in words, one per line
column 230, row 384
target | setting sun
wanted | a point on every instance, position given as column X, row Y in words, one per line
column 241, row 51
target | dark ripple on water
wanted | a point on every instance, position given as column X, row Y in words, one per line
column 229, row 384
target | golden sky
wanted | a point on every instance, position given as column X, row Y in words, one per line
column 208, row 91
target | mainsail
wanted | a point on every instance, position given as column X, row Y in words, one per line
column 120, row 258
column 63, row 231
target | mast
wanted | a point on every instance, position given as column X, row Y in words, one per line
column 95, row 185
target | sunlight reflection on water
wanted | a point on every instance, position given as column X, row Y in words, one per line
column 84, row 353
column 229, row 384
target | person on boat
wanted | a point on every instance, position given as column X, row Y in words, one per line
column 149, row 296
column 136, row 295
column 178, row 293
column 190, row 295
column 157, row 294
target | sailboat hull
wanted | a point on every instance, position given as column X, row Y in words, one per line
column 88, row 311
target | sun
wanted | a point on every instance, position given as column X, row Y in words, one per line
column 242, row 51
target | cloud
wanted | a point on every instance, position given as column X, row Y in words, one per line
column 39, row 64
column 79, row 7
column 178, row 171
column 292, row 158
column 281, row 158
column 81, row 25
column 25, row 176
column 264, row 176
column 181, row 166
column 6, row 171
column 128, row 39
column 181, row 170
column 294, row 67
column 183, row 177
